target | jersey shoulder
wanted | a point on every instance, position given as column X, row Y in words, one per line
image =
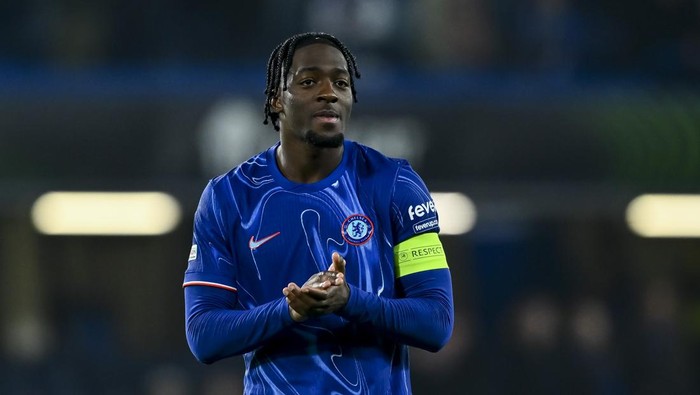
column 373, row 155
column 253, row 173
column 225, row 193
column 376, row 162
column 411, row 206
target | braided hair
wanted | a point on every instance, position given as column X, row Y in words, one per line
column 281, row 60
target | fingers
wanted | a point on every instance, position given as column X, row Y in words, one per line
column 300, row 305
column 291, row 287
column 316, row 298
column 321, row 280
column 338, row 264
column 323, row 285
column 317, row 294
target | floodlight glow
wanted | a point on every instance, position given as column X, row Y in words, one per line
column 105, row 213
column 657, row 215
column 457, row 212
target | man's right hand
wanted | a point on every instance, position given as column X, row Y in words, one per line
column 323, row 293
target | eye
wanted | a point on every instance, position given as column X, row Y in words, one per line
column 342, row 83
column 306, row 82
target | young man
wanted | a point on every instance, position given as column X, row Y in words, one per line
column 358, row 230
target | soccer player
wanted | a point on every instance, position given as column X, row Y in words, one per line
column 357, row 230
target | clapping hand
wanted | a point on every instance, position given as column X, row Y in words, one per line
column 323, row 293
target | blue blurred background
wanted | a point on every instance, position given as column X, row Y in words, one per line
column 550, row 115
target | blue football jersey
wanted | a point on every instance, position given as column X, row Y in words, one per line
column 255, row 231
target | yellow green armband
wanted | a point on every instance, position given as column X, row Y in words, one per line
column 418, row 254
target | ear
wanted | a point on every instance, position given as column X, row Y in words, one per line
column 276, row 104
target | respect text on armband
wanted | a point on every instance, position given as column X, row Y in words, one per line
column 420, row 253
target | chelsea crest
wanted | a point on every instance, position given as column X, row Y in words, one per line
column 357, row 229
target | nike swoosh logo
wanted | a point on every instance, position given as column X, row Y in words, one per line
column 253, row 244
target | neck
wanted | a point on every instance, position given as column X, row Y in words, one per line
column 302, row 162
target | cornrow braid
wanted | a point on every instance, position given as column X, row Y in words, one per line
column 281, row 60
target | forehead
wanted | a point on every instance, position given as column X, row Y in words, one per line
column 320, row 55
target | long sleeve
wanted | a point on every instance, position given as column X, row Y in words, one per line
column 423, row 317
column 215, row 330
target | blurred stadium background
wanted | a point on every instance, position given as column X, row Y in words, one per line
column 551, row 116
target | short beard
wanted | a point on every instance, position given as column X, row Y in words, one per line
column 320, row 141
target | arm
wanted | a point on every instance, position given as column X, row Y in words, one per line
column 423, row 318
column 216, row 325
column 422, row 312
column 215, row 330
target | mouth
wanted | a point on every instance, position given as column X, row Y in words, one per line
column 327, row 116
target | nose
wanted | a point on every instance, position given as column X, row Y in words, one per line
column 326, row 92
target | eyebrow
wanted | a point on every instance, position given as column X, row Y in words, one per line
column 335, row 70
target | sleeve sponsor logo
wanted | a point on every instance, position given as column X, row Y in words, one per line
column 420, row 210
column 420, row 253
column 193, row 253
column 424, row 225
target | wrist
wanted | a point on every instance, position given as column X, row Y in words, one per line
column 351, row 304
column 296, row 317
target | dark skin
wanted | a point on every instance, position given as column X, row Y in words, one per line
column 314, row 298
column 313, row 112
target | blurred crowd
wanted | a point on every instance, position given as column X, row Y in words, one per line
column 656, row 38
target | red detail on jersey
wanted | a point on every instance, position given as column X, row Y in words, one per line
column 209, row 284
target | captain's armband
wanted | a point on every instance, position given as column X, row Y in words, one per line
column 418, row 254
